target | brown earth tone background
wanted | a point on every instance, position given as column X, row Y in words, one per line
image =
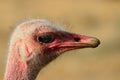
column 99, row 18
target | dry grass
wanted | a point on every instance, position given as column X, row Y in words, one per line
column 100, row 18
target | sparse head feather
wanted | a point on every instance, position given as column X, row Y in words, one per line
column 31, row 26
column 37, row 23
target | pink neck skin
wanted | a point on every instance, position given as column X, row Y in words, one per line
column 18, row 69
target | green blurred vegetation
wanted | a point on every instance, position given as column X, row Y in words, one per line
column 98, row 18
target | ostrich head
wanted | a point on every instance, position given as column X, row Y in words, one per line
column 35, row 43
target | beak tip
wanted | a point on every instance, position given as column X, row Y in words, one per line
column 96, row 43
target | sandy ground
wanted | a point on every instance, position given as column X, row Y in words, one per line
column 99, row 18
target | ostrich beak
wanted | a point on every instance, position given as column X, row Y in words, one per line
column 73, row 41
column 80, row 41
column 85, row 41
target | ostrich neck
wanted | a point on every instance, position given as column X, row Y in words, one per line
column 19, row 70
column 25, row 70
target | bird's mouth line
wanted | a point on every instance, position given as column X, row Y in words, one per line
column 78, row 45
column 72, row 46
column 75, row 45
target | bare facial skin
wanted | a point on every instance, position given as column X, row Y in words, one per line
column 35, row 43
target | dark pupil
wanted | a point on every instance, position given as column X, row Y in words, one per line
column 45, row 38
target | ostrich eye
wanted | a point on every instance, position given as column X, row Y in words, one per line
column 47, row 38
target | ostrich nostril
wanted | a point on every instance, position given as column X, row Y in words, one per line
column 77, row 39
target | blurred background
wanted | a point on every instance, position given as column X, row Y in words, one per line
column 98, row 18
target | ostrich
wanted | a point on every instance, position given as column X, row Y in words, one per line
column 37, row 42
